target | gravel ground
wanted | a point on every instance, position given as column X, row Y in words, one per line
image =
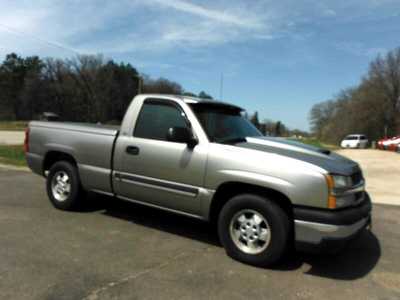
column 11, row 137
column 382, row 173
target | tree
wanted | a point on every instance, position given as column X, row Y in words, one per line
column 254, row 120
column 204, row 95
column 189, row 94
column 320, row 115
column 15, row 71
column 371, row 107
column 161, row 86
column 384, row 75
column 278, row 128
column 85, row 88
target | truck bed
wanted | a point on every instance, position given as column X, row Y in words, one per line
column 91, row 146
column 81, row 127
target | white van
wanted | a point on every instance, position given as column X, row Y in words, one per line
column 354, row 141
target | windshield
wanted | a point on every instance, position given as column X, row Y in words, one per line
column 224, row 125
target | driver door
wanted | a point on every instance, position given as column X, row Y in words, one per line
column 156, row 171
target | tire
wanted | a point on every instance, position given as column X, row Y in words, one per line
column 63, row 186
column 269, row 247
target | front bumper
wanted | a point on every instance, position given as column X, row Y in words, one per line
column 329, row 231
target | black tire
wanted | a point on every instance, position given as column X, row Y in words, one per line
column 278, row 222
column 74, row 198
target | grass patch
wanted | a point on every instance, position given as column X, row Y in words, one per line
column 13, row 125
column 317, row 143
column 12, row 155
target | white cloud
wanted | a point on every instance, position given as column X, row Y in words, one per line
column 329, row 12
column 223, row 16
column 131, row 26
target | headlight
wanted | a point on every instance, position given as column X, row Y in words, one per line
column 336, row 183
column 340, row 181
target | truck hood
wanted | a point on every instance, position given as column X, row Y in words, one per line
column 325, row 159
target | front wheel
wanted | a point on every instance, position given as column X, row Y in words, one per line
column 254, row 230
column 63, row 186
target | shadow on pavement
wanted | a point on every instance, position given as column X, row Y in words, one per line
column 159, row 219
column 354, row 262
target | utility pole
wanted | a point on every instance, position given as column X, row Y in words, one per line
column 140, row 84
column 221, row 87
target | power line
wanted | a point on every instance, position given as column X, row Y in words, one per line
column 33, row 37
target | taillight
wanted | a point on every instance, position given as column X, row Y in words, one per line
column 26, row 141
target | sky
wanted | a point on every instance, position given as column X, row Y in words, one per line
column 277, row 57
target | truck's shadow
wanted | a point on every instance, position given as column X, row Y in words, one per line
column 354, row 262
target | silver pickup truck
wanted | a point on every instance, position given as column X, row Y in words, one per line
column 203, row 159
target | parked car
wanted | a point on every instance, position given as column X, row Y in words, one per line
column 203, row 159
column 380, row 144
column 393, row 144
column 389, row 143
column 355, row 141
column 49, row 116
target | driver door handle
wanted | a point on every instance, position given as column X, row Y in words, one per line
column 132, row 150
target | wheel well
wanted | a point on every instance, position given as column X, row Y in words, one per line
column 54, row 156
column 228, row 190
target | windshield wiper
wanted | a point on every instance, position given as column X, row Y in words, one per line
column 233, row 140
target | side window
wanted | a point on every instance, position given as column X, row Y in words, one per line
column 156, row 117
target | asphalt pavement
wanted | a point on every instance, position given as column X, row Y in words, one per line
column 118, row 250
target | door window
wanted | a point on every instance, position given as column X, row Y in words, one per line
column 156, row 117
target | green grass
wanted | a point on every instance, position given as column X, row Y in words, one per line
column 12, row 155
column 13, row 125
column 317, row 143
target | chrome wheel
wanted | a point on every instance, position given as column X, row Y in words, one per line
column 61, row 186
column 250, row 231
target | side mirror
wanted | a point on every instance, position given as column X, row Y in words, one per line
column 181, row 135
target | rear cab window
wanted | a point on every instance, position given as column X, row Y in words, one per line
column 156, row 117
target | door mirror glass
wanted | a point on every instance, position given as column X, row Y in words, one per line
column 181, row 135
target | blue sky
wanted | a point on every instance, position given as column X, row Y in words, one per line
column 277, row 57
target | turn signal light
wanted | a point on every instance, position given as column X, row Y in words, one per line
column 331, row 198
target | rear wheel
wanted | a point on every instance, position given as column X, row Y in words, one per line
column 254, row 230
column 63, row 186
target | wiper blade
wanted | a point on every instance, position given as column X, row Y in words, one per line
column 234, row 140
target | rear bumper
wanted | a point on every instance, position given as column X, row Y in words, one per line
column 329, row 231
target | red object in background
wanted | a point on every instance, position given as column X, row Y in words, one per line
column 380, row 143
column 389, row 143
column 392, row 146
column 26, row 141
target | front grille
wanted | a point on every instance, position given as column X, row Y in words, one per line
column 356, row 178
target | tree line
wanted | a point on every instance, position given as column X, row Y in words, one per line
column 275, row 128
column 372, row 107
column 86, row 88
